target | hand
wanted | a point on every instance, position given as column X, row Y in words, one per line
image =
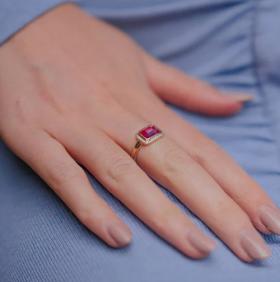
column 75, row 90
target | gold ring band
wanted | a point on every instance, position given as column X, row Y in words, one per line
column 145, row 136
column 136, row 149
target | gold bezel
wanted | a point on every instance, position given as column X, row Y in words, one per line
column 147, row 141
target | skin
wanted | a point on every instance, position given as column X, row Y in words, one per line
column 67, row 98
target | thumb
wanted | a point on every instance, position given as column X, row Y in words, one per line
column 177, row 88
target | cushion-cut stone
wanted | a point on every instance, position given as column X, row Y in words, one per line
column 149, row 131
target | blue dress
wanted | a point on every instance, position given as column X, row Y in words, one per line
column 233, row 44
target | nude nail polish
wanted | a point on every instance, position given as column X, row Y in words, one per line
column 201, row 242
column 254, row 245
column 270, row 217
column 242, row 97
column 120, row 235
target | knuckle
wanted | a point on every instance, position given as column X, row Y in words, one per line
column 163, row 220
column 85, row 217
column 63, row 173
column 206, row 151
column 198, row 157
column 22, row 113
column 120, row 169
column 175, row 160
column 159, row 224
column 105, row 100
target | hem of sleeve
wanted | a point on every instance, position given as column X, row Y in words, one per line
column 15, row 15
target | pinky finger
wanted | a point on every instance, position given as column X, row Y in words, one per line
column 177, row 88
column 49, row 159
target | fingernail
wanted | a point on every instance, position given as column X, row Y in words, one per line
column 241, row 97
column 201, row 242
column 120, row 235
column 270, row 217
column 254, row 245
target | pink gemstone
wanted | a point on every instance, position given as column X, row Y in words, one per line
column 149, row 131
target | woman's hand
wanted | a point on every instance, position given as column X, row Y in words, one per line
column 76, row 90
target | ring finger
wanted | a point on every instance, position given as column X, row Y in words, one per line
column 111, row 165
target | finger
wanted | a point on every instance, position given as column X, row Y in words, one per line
column 245, row 191
column 170, row 165
column 123, row 178
column 241, row 187
column 194, row 95
column 51, row 161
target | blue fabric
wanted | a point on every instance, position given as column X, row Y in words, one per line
column 230, row 43
column 15, row 14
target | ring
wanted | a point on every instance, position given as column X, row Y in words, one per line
column 144, row 137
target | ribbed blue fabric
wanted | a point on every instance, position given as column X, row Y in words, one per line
column 233, row 44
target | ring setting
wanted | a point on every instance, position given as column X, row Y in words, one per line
column 146, row 136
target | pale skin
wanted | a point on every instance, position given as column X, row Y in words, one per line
column 74, row 91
